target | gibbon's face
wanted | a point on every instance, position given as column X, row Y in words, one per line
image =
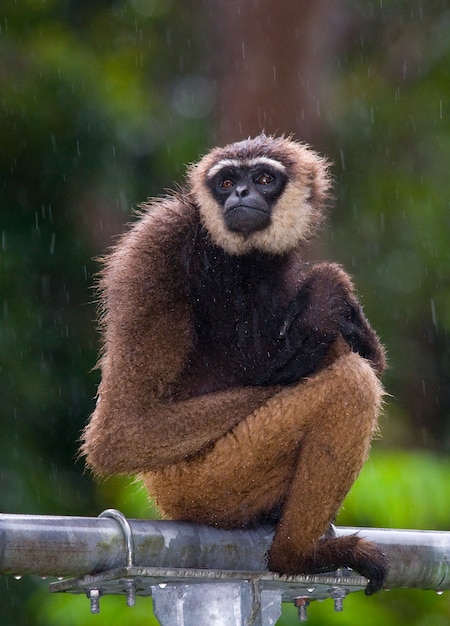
column 264, row 194
column 247, row 194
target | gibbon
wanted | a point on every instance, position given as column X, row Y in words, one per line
column 239, row 381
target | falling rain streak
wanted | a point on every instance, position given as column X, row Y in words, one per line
column 433, row 314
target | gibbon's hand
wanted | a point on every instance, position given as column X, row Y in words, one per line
column 303, row 340
column 357, row 333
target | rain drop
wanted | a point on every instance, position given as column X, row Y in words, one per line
column 433, row 313
column 17, row 576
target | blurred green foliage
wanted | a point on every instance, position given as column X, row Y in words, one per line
column 87, row 131
column 101, row 104
column 390, row 120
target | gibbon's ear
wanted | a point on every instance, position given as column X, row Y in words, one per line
column 296, row 214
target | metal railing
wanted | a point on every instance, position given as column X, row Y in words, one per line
column 197, row 574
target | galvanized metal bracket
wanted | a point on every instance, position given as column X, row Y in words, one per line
column 241, row 596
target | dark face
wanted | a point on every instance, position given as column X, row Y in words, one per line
column 247, row 196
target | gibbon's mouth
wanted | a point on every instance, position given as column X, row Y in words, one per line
column 246, row 219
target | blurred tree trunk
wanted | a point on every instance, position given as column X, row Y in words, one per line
column 271, row 62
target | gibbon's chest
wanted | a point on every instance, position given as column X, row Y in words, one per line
column 237, row 300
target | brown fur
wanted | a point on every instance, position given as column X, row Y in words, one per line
column 208, row 421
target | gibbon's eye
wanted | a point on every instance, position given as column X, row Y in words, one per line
column 226, row 183
column 264, row 179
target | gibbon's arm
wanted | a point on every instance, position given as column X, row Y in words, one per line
column 148, row 335
column 336, row 305
column 323, row 309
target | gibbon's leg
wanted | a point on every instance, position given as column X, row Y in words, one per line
column 254, row 469
column 127, row 434
column 332, row 452
column 245, row 473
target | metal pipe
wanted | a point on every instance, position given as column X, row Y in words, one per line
column 417, row 558
column 73, row 546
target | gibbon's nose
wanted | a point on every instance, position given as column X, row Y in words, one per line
column 241, row 191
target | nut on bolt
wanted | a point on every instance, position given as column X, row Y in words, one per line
column 94, row 598
column 302, row 604
column 338, row 594
column 130, row 591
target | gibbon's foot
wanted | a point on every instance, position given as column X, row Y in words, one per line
column 330, row 554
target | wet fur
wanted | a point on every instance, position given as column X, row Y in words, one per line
column 227, row 356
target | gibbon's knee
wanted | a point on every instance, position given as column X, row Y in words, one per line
column 266, row 445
